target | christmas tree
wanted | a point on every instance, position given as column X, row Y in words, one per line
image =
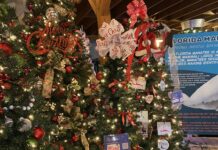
column 136, row 88
column 47, row 90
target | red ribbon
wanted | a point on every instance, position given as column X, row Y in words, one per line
column 129, row 117
column 115, row 82
column 140, row 35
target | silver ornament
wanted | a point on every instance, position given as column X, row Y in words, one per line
column 51, row 14
column 26, row 124
column 8, row 122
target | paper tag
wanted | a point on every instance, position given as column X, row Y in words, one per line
column 113, row 147
column 176, row 97
column 138, row 83
column 143, row 119
column 164, row 128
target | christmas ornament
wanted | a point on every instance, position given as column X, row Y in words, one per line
column 68, row 107
column 113, row 90
column 20, row 8
column 51, row 14
column 54, row 119
column 8, row 122
column 74, row 98
column 75, row 138
column 85, row 115
column 32, row 143
column 87, row 91
column 149, row 99
column 138, row 97
column 163, row 144
column 68, row 69
column 7, row 86
column 1, row 96
column 99, row 76
column 162, row 85
column 1, row 111
column 38, row 133
column 39, row 63
column 26, row 125
column 61, row 147
column 5, row 48
column 60, row 10
column 30, row 7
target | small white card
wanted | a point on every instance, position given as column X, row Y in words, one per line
column 143, row 119
column 113, row 147
column 164, row 128
column 138, row 83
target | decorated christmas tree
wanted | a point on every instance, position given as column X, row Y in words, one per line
column 47, row 92
column 136, row 88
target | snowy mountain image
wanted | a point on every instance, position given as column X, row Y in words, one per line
column 205, row 97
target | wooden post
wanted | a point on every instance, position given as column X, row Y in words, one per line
column 101, row 9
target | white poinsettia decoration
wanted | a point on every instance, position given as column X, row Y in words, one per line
column 116, row 43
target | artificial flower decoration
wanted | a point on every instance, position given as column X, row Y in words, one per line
column 136, row 8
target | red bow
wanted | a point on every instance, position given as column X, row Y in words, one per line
column 136, row 8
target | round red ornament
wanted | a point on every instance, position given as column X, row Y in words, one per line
column 7, row 86
column 1, row 111
column 113, row 90
column 75, row 138
column 85, row 115
column 61, row 147
column 38, row 133
column 54, row 119
column 39, row 63
column 99, row 76
column 68, row 69
column 6, row 48
column 2, row 96
column 74, row 98
column 138, row 97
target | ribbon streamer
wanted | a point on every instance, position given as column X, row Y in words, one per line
column 84, row 141
column 47, row 83
column 128, row 115
column 20, row 9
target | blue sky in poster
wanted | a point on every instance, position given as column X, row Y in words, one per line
column 197, row 51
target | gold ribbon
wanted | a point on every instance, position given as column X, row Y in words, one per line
column 84, row 140
column 47, row 83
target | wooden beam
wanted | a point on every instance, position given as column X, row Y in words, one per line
column 101, row 9
column 163, row 6
column 177, row 8
column 92, row 22
column 194, row 7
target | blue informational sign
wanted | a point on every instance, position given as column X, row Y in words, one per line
column 197, row 60
column 116, row 142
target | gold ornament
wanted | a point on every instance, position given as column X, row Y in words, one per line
column 51, row 14
column 75, row 84
column 68, row 107
column 87, row 91
column 60, row 10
